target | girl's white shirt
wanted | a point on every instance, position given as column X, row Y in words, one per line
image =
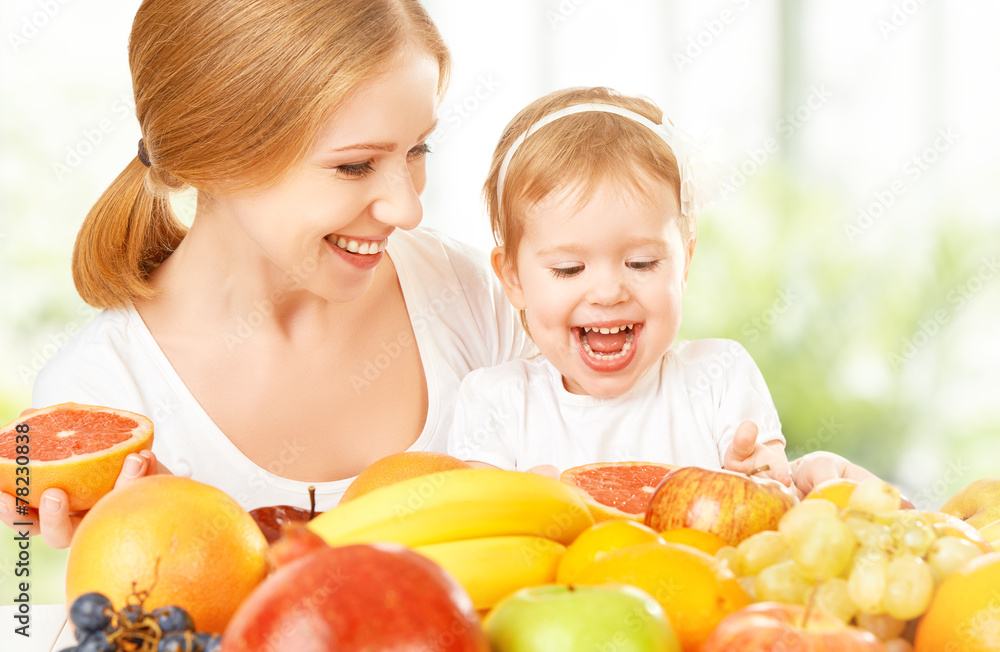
column 461, row 321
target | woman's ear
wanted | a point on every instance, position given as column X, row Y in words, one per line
column 506, row 271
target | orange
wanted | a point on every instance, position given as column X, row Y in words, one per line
column 598, row 540
column 400, row 466
column 617, row 489
column 695, row 591
column 964, row 615
column 689, row 536
column 836, row 490
column 77, row 448
column 186, row 543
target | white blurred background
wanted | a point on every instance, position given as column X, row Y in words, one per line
column 854, row 253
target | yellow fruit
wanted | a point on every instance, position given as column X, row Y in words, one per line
column 704, row 541
column 186, row 543
column 600, row 539
column 695, row 591
column 837, row 490
column 964, row 615
column 978, row 504
column 458, row 504
column 491, row 568
column 399, row 466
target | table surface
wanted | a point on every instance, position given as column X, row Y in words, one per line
column 49, row 629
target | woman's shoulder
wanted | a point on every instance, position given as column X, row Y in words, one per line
column 438, row 253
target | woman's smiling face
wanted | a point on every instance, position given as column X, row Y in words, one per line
column 601, row 283
column 325, row 224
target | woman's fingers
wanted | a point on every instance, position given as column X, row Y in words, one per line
column 56, row 523
column 9, row 516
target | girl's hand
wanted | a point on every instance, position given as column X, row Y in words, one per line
column 53, row 520
column 745, row 454
column 813, row 468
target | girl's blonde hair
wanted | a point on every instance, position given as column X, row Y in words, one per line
column 229, row 94
column 576, row 152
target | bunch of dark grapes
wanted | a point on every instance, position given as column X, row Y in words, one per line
column 99, row 628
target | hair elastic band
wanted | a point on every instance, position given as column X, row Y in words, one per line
column 666, row 132
column 143, row 154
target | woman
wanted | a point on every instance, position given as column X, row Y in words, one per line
column 268, row 341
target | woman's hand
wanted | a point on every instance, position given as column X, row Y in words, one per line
column 53, row 520
column 814, row 468
column 745, row 454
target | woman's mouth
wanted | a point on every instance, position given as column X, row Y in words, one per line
column 607, row 348
column 361, row 254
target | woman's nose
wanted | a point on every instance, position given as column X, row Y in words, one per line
column 397, row 200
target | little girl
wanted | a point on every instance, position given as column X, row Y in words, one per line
column 590, row 199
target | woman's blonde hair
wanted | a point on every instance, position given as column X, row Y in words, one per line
column 229, row 94
column 576, row 152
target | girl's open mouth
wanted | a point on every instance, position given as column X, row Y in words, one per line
column 607, row 348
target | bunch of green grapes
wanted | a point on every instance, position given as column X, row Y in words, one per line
column 872, row 563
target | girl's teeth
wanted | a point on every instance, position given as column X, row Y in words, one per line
column 587, row 329
column 365, row 248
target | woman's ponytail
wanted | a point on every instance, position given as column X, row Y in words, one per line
column 126, row 235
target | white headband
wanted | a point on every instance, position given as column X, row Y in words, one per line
column 672, row 137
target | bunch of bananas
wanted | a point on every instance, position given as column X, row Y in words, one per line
column 494, row 531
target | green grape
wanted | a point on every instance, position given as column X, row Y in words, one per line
column 803, row 515
column 883, row 626
column 832, row 596
column 870, row 533
column 949, row 553
column 874, row 496
column 757, row 552
column 781, row 583
column 866, row 583
column 909, row 587
column 917, row 538
column 749, row 584
column 727, row 555
column 825, row 549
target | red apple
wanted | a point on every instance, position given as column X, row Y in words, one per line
column 374, row 597
column 775, row 626
column 296, row 541
column 271, row 519
column 730, row 505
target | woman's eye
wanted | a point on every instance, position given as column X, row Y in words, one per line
column 643, row 265
column 418, row 152
column 563, row 272
column 356, row 169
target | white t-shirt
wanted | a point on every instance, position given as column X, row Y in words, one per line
column 460, row 318
column 684, row 411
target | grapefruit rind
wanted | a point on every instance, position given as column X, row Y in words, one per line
column 602, row 511
column 84, row 476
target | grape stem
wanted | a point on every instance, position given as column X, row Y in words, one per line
column 312, row 502
column 810, row 603
column 759, row 469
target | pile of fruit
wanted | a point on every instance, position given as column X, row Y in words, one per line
column 426, row 553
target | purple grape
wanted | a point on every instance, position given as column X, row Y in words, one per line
column 91, row 612
column 96, row 642
column 180, row 642
column 173, row 619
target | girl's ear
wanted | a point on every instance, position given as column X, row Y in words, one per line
column 507, row 273
column 690, row 255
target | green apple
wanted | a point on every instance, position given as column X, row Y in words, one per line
column 573, row 618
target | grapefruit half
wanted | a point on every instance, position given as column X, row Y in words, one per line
column 77, row 448
column 617, row 489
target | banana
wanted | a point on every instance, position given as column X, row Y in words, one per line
column 455, row 505
column 491, row 568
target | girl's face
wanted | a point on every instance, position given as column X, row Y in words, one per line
column 325, row 224
column 601, row 284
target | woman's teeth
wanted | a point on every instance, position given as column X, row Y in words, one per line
column 363, row 248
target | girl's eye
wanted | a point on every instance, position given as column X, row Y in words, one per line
column 564, row 272
column 356, row 170
column 418, row 152
column 643, row 265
